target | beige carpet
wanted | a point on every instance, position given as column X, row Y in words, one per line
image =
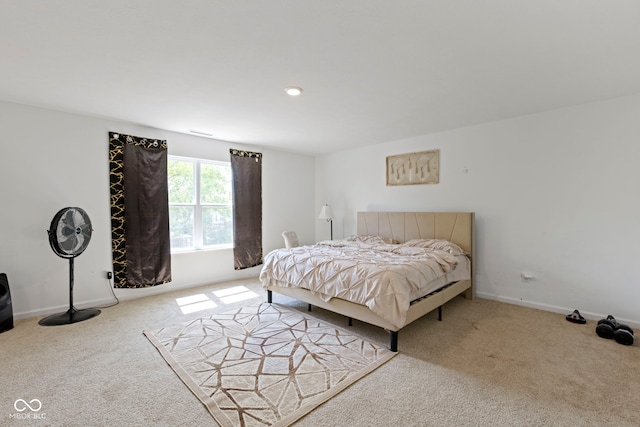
column 265, row 364
column 486, row 363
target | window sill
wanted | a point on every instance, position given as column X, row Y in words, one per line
column 198, row 251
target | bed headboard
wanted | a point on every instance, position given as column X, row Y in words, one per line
column 456, row 227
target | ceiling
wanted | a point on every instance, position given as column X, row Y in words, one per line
column 372, row 71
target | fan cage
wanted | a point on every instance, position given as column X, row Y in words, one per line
column 70, row 232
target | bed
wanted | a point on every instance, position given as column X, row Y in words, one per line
column 420, row 292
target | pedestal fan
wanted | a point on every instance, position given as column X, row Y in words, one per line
column 69, row 236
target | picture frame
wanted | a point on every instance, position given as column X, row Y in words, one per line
column 414, row 168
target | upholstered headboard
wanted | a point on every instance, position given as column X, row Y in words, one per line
column 456, row 227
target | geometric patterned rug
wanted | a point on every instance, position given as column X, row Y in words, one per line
column 265, row 364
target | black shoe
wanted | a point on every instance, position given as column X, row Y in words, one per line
column 610, row 328
column 606, row 327
column 623, row 336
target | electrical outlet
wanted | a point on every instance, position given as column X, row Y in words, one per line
column 109, row 275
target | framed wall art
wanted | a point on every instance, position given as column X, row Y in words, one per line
column 413, row 168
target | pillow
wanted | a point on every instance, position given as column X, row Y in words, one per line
column 373, row 240
column 390, row 241
column 436, row 244
column 335, row 243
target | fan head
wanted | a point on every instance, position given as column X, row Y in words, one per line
column 70, row 232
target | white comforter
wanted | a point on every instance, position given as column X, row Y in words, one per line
column 382, row 277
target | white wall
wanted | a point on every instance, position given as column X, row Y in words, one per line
column 50, row 160
column 555, row 195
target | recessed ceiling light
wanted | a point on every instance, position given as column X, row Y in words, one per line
column 293, row 90
column 199, row 132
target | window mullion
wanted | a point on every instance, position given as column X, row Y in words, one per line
column 198, row 208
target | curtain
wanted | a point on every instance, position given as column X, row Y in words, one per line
column 139, row 211
column 246, row 171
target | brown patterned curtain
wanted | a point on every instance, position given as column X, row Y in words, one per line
column 139, row 211
column 246, row 170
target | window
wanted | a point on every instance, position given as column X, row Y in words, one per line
column 200, row 210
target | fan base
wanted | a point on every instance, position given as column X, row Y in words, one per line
column 70, row 316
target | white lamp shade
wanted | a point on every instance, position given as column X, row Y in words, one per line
column 326, row 213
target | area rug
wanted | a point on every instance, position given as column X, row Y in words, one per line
column 265, row 364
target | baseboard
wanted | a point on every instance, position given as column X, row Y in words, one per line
column 634, row 323
column 63, row 308
column 123, row 294
column 155, row 291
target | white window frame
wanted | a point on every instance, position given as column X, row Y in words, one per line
column 198, row 232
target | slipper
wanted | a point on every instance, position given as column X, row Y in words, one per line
column 575, row 317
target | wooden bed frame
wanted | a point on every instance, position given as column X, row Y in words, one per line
column 456, row 227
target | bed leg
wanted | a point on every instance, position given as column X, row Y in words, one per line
column 269, row 297
column 468, row 294
column 350, row 321
column 393, row 341
column 440, row 313
column 309, row 308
